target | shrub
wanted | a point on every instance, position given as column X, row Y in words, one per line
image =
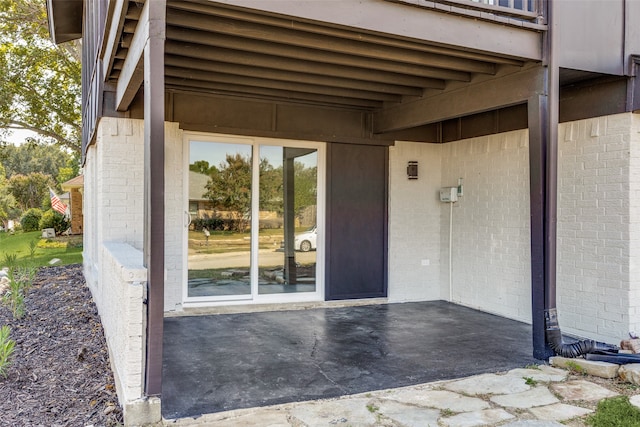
column 215, row 224
column 55, row 220
column 30, row 221
column 20, row 280
column 6, row 350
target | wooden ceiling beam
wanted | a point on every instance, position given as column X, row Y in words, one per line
column 203, row 76
column 274, row 94
column 430, row 25
column 221, row 55
column 322, row 43
column 261, row 48
column 310, row 27
column 214, row 67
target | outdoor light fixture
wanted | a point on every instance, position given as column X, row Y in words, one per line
column 412, row 170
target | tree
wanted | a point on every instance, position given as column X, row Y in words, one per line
column 202, row 166
column 30, row 191
column 271, row 187
column 229, row 188
column 8, row 206
column 40, row 83
column 27, row 158
column 306, row 188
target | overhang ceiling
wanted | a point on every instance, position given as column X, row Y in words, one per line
column 225, row 50
column 64, row 19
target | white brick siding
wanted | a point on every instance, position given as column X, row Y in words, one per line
column 491, row 249
column 596, row 215
column 114, row 232
column 124, row 316
column 175, row 217
column 598, row 277
column 414, row 223
column 634, row 225
column 491, row 231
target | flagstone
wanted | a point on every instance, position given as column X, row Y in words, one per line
column 537, row 396
column 354, row 412
column 559, row 412
column 534, row 423
column 630, row 373
column 439, row 399
column 477, row 418
column 543, row 374
column 408, row 415
column 488, row 384
column 635, row 400
column 591, row 367
column 582, row 390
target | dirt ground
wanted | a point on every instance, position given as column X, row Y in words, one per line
column 60, row 373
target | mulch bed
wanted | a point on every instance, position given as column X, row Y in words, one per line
column 60, row 373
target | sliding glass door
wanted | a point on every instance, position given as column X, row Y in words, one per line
column 255, row 220
column 288, row 219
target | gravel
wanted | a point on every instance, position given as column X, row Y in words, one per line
column 59, row 373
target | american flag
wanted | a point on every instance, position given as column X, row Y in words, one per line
column 56, row 203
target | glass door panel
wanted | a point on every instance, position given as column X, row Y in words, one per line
column 219, row 235
column 287, row 211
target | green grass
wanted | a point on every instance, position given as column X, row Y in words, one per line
column 67, row 249
column 221, row 242
column 615, row 412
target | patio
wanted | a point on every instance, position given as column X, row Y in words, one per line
column 222, row 362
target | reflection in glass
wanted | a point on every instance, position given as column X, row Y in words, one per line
column 219, row 241
column 288, row 215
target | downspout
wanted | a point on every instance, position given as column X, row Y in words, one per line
column 553, row 335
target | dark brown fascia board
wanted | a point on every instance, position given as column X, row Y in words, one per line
column 65, row 20
column 508, row 90
column 633, row 90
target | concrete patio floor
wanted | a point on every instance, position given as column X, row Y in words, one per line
column 216, row 363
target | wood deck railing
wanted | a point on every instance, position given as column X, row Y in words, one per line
column 521, row 13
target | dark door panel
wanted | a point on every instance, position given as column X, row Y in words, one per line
column 356, row 221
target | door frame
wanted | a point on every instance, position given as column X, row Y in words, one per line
column 255, row 297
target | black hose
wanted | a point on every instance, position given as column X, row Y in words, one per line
column 574, row 349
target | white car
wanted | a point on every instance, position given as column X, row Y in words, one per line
column 306, row 241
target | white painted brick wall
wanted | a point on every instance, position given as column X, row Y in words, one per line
column 595, row 227
column 491, row 228
column 634, row 225
column 90, row 228
column 123, row 316
column 115, row 207
column 175, row 217
column 414, row 223
column 120, row 166
column 114, row 232
column 598, row 281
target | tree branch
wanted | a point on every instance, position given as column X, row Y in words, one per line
column 15, row 124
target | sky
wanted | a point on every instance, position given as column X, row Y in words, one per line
column 17, row 137
column 215, row 153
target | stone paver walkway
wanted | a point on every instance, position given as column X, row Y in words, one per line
column 541, row 397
